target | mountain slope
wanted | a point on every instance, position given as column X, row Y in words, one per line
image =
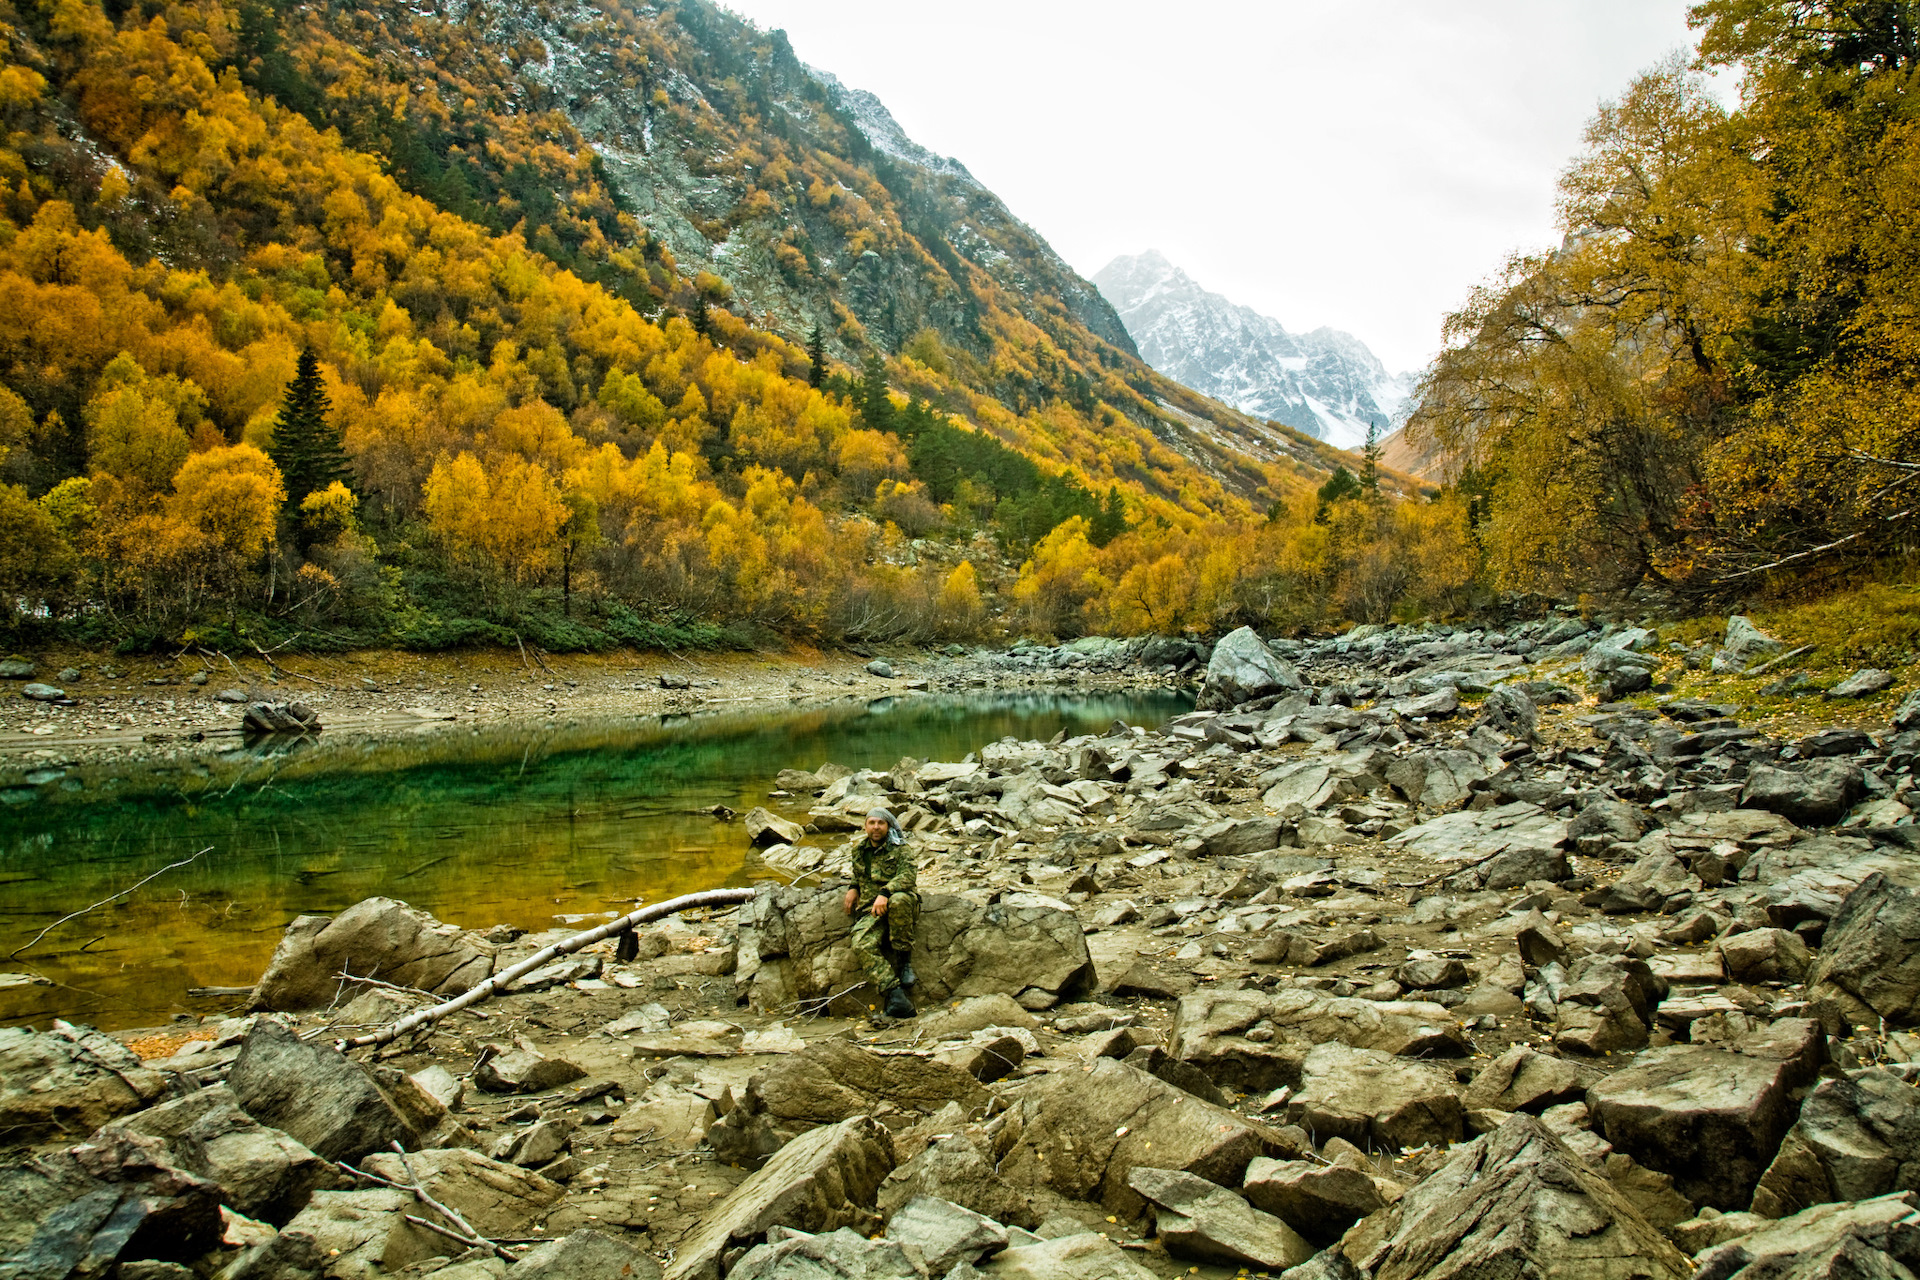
column 1325, row 383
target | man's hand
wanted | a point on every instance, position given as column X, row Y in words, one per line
column 852, row 899
column 880, row 906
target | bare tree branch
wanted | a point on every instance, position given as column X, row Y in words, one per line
column 103, row 902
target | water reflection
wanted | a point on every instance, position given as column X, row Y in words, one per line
column 479, row 825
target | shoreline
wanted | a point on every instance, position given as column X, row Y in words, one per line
column 145, row 709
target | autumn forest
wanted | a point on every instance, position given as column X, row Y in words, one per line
column 338, row 325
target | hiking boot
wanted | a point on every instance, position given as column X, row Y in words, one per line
column 906, row 974
column 898, row 1006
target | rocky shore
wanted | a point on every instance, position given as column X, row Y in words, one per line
column 1401, row 957
column 63, row 709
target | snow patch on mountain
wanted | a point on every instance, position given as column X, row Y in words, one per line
column 1326, row 383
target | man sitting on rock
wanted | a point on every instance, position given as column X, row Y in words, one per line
column 888, row 908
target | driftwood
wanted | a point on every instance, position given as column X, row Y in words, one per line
column 103, row 902
column 625, row 924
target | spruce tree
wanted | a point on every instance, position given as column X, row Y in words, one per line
column 1370, row 472
column 702, row 319
column 305, row 448
column 876, row 411
column 816, row 357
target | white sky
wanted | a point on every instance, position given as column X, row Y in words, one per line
column 1354, row 163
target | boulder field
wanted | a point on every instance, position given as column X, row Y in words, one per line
column 1401, row 958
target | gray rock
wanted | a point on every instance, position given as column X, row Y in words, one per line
column 1870, row 954
column 1612, row 672
column 1437, row 779
column 235, row 696
column 1320, row 1201
column 1509, row 710
column 1858, row 1136
column 1612, row 821
column 953, row 1170
column 674, row 680
column 832, row 1079
column 1652, row 884
column 1241, row 669
column 261, row 1172
column 1522, row 1079
column 1886, row 1226
column 1500, row 848
column 1765, row 955
column 1157, row 1062
column 793, row 946
column 1514, row 1202
column 1861, row 683
column 1376, row 1099
column 17, row 669
column 1198, row 1219
column 374, row 938
column 820, row 1181
column 586, row 1255
column 881, row 668
column 1079, row 1133
column 323, row 1099
column 42, row 692
column 1745, row 645
column 540, row 1143
column 198, row 679
column 1210, row 1032
column 764, row 827
column 1817, row 795
column 844, row 1254
column 279, row 717
column 1711, row 1116
column 524, row 1069
column 118, row 1196
column 1907, row 714
column 1085, row 1256
column 1242, row 837
column 945, row 1233
column 67, row 1082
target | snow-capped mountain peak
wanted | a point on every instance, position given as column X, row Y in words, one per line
column 1326, row 383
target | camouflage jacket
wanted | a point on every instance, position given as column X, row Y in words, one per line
column 888, row 869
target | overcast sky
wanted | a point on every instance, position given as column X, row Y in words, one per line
column 1354, row 163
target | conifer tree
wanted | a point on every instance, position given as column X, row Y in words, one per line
column 1370, row 472
column 702, row 320
column 876, row 411
column 816, row 357
column 305, row 447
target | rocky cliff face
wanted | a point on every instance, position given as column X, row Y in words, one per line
column 1325, row 383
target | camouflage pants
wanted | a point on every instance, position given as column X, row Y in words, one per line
column 881, row 946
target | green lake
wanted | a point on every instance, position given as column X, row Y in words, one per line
column 521, row 823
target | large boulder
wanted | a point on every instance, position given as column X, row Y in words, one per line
column 1318, row 1200
column 1438, row 779
column 1745, row 645
column 1817, row 795
column 1080, row 1133
column 375, row 938
column 1870, row 954
column 1085, row 1255
column 1522, row 1079
column 1376, row 1099
column 794, row 949
column 1612, row 672
column 828, row 1081
column 116, row 1197
column 261, row 1172
column 365, row 1235
column 1857, row 1136
column 67, row 1082
column 844, row 1254
column 1852, row 1240
column 1510, row 710
column 1318, row 781
column 1500, row 848
column 1198, row 1219
column 945, row 1233
column 1712, row 1116
column 1514, row 1202
column 820, row 1181
column 954, row 1170
column 1210, row 1032
column 324, row 1100
column 586, row 1255
column 1241, row 669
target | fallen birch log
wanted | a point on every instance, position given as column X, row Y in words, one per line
column 426, row 1017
